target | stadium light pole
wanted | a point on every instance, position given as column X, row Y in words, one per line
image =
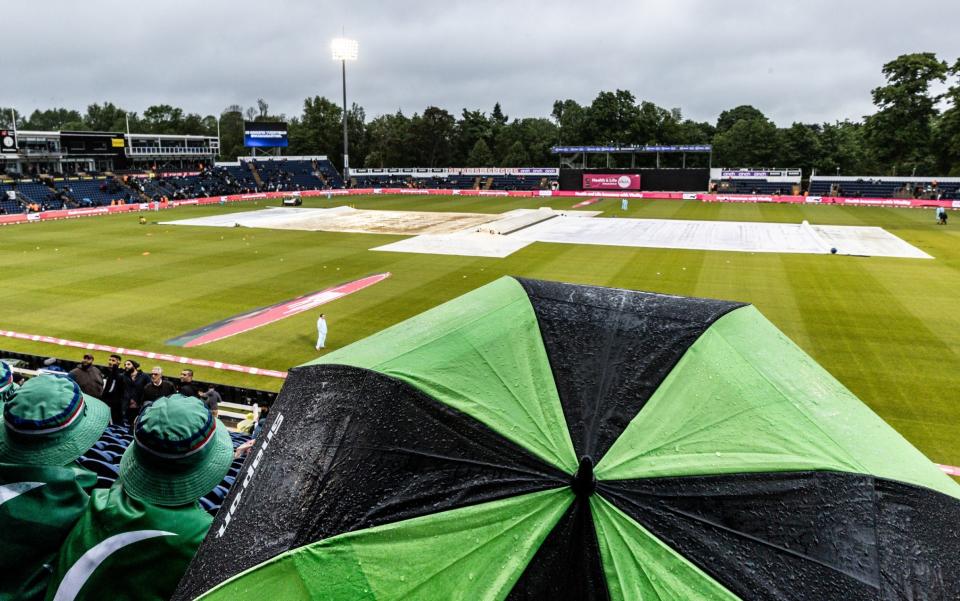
column 344, row 50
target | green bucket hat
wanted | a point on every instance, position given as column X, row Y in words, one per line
column 179, row 453
column 49, row 421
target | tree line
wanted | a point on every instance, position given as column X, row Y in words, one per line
column 914, row 130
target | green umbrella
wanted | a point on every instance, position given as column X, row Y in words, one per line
column 537, row 440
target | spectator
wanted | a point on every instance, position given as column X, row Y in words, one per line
column 212, row 399
column 88, row 377
column 187, row 386
column 180, row 453
column 134, row 382
column 50, row 364
column 157, row 387
column 8, row 382
column 113, row 389
column 47, row 424
column 261, row 421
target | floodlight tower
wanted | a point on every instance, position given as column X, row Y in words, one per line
column 344, row 50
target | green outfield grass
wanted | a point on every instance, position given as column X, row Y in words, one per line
column 888, row 329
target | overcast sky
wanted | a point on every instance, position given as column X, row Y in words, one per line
column 796, row 61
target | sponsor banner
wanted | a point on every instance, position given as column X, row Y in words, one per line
column 91, row 346
column 880, row 202
column 444, row 172
column 538, row 171
column 688, row 196
column 85, row 212
column 611, row 181
column 632, row 149
column 179, row 174
column 758, row 174
column 605, row 194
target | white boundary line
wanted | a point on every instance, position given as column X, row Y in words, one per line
column 145, row 354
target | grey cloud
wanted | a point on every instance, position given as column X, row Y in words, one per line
column 797, row 61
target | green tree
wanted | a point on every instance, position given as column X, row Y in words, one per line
column 613, row 116
column 7, row 116
column 432, row 136
column 357, row 130
column 900, row 133
column 164, row 119
column 538, row 136
column 947, row 131
column 58, row 119
column 572, row 122
column 472, row 127
column 480, row 155
column 744, row 112
column 231, row 133
column 318, row 130
column 516, row 156
column 799, row 146
column 105, row 117
column 388, row 140
column 844, row 151
column 748, row 143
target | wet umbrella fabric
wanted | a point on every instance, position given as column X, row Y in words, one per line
column 536, row 440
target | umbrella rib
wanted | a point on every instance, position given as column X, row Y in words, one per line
column 760, row 541
column 402, row 451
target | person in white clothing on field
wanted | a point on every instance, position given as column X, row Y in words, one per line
column 321, row 332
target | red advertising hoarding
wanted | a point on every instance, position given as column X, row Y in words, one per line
column 611, row 181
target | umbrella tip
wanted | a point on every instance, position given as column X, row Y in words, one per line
column 583, row 482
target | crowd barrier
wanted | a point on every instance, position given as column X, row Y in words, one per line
column 760, row 198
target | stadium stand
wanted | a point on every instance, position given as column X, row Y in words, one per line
column 493, row 179
column 295, row 173
column 8, row 206
column 755, row 181
column 886, row 187
column 247, row 175
column 36, row 192
column 103, row 459
column 98, row 191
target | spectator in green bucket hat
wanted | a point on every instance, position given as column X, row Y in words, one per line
column 46, row 425
column 6, row 382
column 180, row 452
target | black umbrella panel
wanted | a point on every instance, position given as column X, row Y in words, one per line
column 537, row 440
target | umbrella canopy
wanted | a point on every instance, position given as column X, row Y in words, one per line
column 538, row 440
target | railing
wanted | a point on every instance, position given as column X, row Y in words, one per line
column 170, row 150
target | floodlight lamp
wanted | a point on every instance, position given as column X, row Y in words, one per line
column 344, row 49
